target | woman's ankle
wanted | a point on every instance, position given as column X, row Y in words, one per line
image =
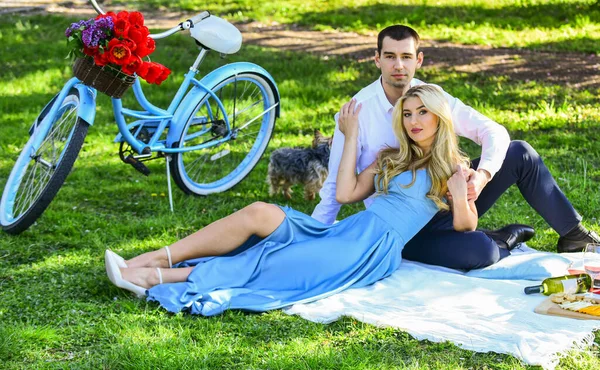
column 146, row 277
column 157, row 258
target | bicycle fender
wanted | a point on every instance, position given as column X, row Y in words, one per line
column 87, row 103
column 198, row 92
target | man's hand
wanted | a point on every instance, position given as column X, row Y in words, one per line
column 476, row 181
column 457, row 184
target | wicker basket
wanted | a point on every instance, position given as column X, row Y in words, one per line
column 105, row 79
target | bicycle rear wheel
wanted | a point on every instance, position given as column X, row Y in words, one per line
column 43, row 165
column 246, row 100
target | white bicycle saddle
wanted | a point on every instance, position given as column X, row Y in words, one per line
column 217, row 34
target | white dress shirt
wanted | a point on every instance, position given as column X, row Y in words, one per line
column 375, row 133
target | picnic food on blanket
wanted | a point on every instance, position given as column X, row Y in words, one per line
column 579, row 283
column 577, row 303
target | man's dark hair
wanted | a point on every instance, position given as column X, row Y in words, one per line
column 398, row 32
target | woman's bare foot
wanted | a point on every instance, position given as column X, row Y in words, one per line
column 156, row 258
column 146, row 277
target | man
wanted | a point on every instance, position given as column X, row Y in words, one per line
column 502, row 164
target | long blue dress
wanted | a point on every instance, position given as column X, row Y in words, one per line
column 304, row 260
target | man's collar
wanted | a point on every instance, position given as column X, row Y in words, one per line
column 383, row 98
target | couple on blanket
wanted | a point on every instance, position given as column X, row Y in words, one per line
column 423, row 202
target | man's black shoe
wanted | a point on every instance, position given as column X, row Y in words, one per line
column 511, row 235
column 578, row 245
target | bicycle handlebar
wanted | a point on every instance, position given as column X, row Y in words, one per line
column 185, row 25
column 97, row 7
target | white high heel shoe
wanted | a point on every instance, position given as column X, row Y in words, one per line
column 118, row 259
column 114, row 275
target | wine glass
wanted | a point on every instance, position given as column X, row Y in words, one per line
column 591, row 263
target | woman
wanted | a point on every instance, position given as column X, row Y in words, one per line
column 271, row 256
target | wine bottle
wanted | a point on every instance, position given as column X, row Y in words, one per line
column 580, row 283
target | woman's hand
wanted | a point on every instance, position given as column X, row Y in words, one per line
column 464, row 211
column 350, row 187
column 457, row 184
column 348, row 118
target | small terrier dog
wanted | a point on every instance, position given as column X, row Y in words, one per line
column 307, row 166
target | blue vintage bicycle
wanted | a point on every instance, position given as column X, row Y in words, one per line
column 212, row 134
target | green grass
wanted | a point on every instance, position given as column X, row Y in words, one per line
column 58, row 310
column 564, row 25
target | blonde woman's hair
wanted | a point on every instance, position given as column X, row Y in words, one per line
column 441, row 161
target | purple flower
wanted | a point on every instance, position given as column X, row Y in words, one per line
column 87, row 36
column 104, row 28
column 106, row 23
column 73, row 27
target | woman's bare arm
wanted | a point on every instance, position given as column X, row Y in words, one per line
column 351, row 187
column 464, row 211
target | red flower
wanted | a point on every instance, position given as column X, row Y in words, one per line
column 153, row 73
column 149, row 71
column 145, row 71
column 138, row 33
column 165, row 72
column 133, row 65
column 108, row 14
column 93, row 51
column 146, row 47
column 142, row 70
column 118, row 53
column 129, row 43
column 101, row 59
column 121, row 27
column 123, row 15
column 136, row 18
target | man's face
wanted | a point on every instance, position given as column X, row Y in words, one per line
column 398, row 62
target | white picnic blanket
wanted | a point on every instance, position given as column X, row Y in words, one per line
column 485, row 313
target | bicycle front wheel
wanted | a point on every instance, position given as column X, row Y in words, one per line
column 247, row 101
column 43, row 165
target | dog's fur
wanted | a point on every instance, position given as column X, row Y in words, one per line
column 307, row 166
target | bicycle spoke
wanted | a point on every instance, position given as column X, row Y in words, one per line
column 246, row 134
column 32, row 188
column 195, row 163
column 244, row 110
column 38, row 185
column 27, row 185
column 57, row 135
column 205, row 169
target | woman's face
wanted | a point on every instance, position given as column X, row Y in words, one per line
column 420, row 124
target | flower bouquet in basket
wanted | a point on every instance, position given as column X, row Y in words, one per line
column 110, row 50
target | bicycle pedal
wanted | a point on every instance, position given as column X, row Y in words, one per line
column 139, row 166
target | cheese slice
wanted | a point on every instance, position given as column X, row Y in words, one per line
column 578, row 303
